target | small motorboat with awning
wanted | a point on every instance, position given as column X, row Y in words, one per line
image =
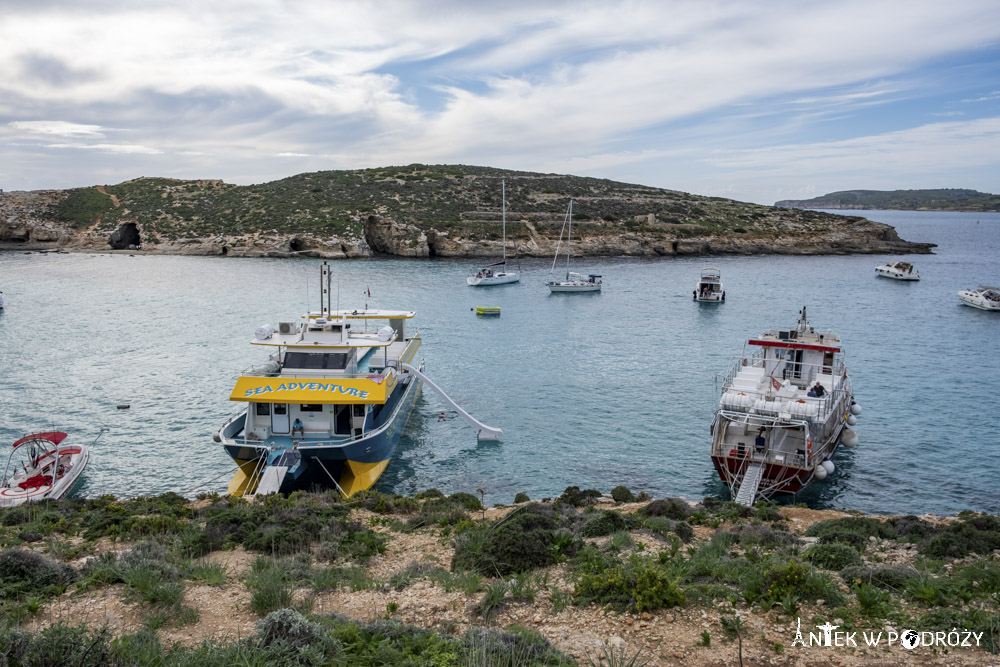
column 984, row 298
column 41, row 467
column 329, row 406
column 496, row 273
column 785, row 407
column 897, row 271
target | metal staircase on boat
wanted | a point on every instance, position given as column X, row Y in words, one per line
column 752, row 478
column 270, row 480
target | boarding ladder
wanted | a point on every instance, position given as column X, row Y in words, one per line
column 752, row 478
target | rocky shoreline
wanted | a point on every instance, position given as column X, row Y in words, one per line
column 585, row 578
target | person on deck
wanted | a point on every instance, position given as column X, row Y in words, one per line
column 297, row 425
column 817, row 390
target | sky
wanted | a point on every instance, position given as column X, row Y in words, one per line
column 752, row 100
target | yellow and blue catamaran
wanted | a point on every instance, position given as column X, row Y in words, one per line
column 329, row 406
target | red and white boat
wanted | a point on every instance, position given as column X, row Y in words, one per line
column 785, row 409
column 41, row 467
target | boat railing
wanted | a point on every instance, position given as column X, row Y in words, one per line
column 386, row 366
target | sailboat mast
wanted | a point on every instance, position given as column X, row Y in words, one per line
column 569, row 237
column 503, row 196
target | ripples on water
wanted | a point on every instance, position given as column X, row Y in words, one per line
column 594, row 390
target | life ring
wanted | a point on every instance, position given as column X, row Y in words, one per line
column 800, row 401
column 741, row 394
column 732, row 452
column 744, row 362
column 809, row 445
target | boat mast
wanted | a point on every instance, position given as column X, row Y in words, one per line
column 503, row 196
column 569, row 237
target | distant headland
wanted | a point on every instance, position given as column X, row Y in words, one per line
column 422, row 211
column 946, row 199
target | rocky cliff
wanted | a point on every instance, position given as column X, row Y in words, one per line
column 423, row 211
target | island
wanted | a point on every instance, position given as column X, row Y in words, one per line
column 423, row 211
column 945, row 199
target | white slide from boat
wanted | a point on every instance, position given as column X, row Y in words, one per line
column 485, row 432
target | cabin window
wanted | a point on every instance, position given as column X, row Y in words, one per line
column 335, row 361
column 263, row 409
column 310, row 407
column 359, row 410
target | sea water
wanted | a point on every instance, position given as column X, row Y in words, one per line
column 594, row 390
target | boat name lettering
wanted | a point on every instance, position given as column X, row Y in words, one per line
column 307, row 386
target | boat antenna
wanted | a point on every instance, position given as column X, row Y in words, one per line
column 323, row 291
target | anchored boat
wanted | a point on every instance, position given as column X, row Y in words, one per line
column 897, row 271
column 709, row 288
column 785, row 407
column 984, row 298
column 574, row 282
column 497, row 273
column 329, row 406
column 40, row 467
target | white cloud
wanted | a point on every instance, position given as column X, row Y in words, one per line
column 124, row 149
column 58, row 127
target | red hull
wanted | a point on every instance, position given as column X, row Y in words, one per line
column 786, row 479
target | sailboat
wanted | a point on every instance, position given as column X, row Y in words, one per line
column 497, row 273
column 574, row 282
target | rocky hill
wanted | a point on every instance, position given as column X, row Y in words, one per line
column 422, row 211
column 901, row 200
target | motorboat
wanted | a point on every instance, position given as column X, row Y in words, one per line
column 984, row 298
column 328, row 407
column 709, row 288
column 785, row 408
column 572, row 282
column 496, row 273
column 41, row 467
column 897, row 271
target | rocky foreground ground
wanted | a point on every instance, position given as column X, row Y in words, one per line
column 584, row 579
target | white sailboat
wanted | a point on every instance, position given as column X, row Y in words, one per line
column 496, row 274
column 574, row 282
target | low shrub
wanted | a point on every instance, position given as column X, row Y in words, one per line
column 832, row 556
column 638, row 584
column 976, row 535
column 521, row 498
column 25, row 572
column 527, row 539
column 621, row 494
column 853, row 531
column 761, row 535
column 575, row 497
column 604, row 523
column 671, row 508
column 894, row 577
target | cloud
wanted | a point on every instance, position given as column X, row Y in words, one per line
column 124, row 149
column 58, row 127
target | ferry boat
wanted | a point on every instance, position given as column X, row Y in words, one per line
column 897, row 271
column 785, row 408
column 329, row 406
column 709, row 288
column 984, row 298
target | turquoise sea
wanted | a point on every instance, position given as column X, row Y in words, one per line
column 594, row 390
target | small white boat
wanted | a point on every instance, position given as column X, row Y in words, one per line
column 573, row 282
column 497, row 273
column 984, row 298
column 898, row 271
column 709, row 288
column 40, row 467
column 1, row 300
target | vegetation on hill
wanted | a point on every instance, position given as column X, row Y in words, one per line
column 714, row 571
column 450, row 198
column 946, row 199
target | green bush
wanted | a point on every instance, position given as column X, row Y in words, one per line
column 852, row 531
column 761, row 535
column 832, row 556
column 978, row 535
column 604, row 523
column 639, row 584
column 671, row 508
column 577, row 498
column 526, row 540
column 521, row 498
column 895, row 577
column 621, row 494
column 25, row 572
